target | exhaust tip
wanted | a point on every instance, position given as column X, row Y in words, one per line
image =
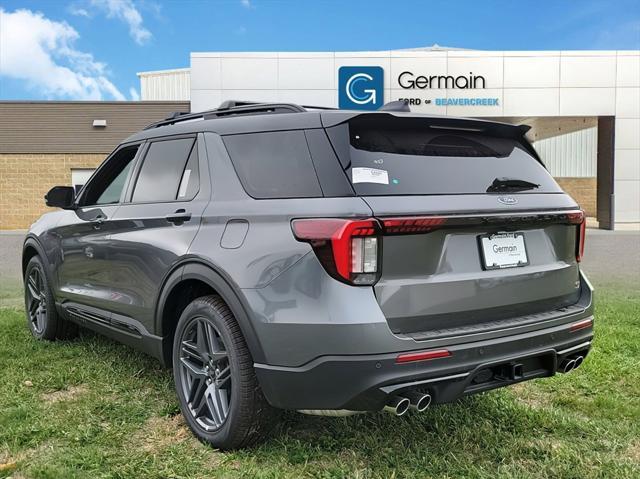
column 567, row 365
column 419, row 401
column 397, row 405
column 578, row 362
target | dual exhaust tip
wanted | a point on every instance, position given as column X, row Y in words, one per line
column 399, row 405
column 569, row 364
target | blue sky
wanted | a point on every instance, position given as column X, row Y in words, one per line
column 92, row 49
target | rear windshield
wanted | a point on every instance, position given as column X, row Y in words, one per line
column 387, row 155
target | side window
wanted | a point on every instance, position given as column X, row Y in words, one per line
column 106, row 187
column 165, row 174
column 274, row 165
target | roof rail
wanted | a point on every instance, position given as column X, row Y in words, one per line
column 228, row 108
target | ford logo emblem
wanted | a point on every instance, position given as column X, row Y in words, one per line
column 507, row 200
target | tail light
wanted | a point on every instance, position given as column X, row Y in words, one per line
column 349, row 250
column 412, row 224
column 578, row 218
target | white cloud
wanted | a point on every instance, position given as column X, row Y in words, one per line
column 41, row 52
column 246, row 3
column 78, row 11
column 127, row 12
column 133, row 93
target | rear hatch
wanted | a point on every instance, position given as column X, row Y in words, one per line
column 476, row 231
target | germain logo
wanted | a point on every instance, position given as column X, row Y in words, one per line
column 508, row 200
column 360, row 88
column 408, row 80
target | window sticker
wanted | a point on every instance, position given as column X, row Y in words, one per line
column 184, row 184
column 369, row 175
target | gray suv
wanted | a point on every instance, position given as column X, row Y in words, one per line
column 326, row 261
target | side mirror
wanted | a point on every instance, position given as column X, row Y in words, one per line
column 60, row 197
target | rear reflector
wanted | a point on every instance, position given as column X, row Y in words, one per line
column 422, row 356
column 584, row 324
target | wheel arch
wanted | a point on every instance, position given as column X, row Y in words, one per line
column 198, row 274
column 31, row 248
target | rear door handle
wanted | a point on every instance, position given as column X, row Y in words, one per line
column 180, row 216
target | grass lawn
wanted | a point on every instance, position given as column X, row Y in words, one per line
column 93, row 408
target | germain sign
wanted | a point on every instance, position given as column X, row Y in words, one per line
column 408, row 80
column 362, row 88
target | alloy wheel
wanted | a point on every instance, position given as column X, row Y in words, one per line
column 36, row 301
column 205, row 374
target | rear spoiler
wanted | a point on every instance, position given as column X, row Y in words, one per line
column 493, row 128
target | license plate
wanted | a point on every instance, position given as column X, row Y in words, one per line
column 503, row 250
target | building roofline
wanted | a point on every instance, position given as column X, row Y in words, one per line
column 163, row 72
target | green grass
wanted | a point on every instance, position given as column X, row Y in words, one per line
column 93, row 408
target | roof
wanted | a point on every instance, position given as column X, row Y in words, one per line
column 67, row 126
column 164, row 72
column 242, row 117
column 433, row 48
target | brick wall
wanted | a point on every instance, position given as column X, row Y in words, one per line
column 26, row 178
column 583, row 190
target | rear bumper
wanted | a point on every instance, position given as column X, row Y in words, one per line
column 341, row 353
column 365, row 382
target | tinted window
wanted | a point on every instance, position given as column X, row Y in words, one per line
column 162, row 170
column 107, row 186
column 274, row 165
column 405, row 156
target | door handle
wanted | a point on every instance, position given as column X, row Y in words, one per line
column 179, row 217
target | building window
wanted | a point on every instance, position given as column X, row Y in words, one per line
column 79, row 176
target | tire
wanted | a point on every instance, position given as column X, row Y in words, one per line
column 216, row 384
column 40, row 307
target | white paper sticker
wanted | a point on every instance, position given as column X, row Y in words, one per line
column 184, row 183
column 369, row 175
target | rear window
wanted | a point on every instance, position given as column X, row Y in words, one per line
column 386, row 155
column 163, row 171
column 274, row 165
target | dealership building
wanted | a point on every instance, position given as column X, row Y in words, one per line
column 583, row 106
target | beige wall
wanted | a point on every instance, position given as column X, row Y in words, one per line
column 583, row 190
column 26, row 178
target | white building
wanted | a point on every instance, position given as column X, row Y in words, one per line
column 584, row 106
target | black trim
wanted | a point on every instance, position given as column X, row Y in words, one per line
column 232, row 107
column 364, row 383
column 121, row 328
column 199, row 269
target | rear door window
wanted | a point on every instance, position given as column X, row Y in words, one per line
column 274, row 164
column 162, row 175
column 406, row 156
